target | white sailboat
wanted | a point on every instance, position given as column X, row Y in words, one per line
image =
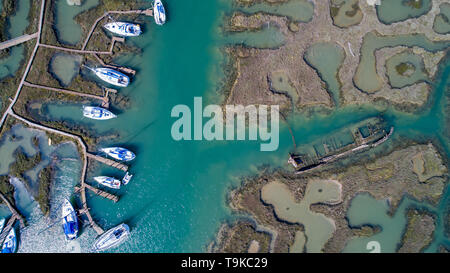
column 112, row 237
column 119, row 153
column 69, row 220
column 159, row 12
column 108, row 182
column 10, row 243
column 124, row 29
column 97, row 113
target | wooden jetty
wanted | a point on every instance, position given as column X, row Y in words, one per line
column 99, row 192
column 108, row 162
column 15, row 216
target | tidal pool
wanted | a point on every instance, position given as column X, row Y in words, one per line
column 318, row 228
column 296, row 10
column 17, row 24
column 365, row 210
column 327, row 59
column 67, row 30
column 405, row 69
column 391, row 11
column 366, row 77
column 346, row 13
column 442, row 21
column 65, row 67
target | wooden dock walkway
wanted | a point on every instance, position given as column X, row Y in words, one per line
column 108, row 162
column 15, row 216
column 79, row 51
column 70, row 92
column 18, row 40
column 99, row 192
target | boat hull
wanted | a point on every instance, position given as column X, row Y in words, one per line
column 112, row 238
column 69, row 221
column 119, row 153
column 159, row 13
column 97, row 113
column 10, row 243
column 124, row 29
column 112, row 76
column 108, row 182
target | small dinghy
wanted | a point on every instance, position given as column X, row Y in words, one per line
column 124, row 29
column 108, row 182
column 97, row 113
column 112, row 76
column 119, row 153
column 126, row 179
column 112, row 237
column 159, row 12
column 69, row 220
column 10, row 243
column 2, row 224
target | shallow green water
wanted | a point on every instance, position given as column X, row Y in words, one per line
column 17, row 24
column 327, row 58
column 65, row 67
column 442, row 20
column 177, row 199
column 68, row 31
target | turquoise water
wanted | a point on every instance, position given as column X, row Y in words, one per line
column 177, row 198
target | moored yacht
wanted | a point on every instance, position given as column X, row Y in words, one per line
column 112, row 76
column 124, row 29
column 10, row 243
column 69, row 220
column 112, row 237
column 108, row 182
column 159, row 12
column 97, row 113
column 119, row 153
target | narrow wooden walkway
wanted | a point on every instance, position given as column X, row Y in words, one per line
column 99, row 192
column 108, row 162
column 78, row 50
column 18, row 40
column 70, row 92
column 15, row 216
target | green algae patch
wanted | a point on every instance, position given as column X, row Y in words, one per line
column 392, row 11
column 318, row 228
